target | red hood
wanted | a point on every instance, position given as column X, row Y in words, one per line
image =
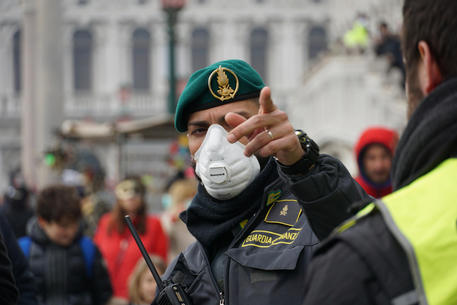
column 379, row 135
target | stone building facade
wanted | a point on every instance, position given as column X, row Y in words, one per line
column 115, row 52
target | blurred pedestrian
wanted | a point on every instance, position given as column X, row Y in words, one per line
column 94, row 203
column 67, row 266
column 389, row 45
column 180, row 195
column 403, row 249
column 21, row 270
column 115, row 241
column 8, row 290
column 356, row 39
column 374, row 152
column 16, row 207
column 142, row 286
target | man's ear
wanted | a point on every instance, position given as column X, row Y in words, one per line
column 42, row 222
column 430, row 75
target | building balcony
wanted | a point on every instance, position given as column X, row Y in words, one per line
column 10, row 105
column 85, row 104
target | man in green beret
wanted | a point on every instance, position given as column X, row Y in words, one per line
column 265, row 199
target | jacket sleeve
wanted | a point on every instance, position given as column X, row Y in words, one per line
column 8, row 290
column 327, row 194
column 338, row 276
column 101, row 289
column 21, row 270
column 160, row 240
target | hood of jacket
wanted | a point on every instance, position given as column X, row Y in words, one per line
column 374, row 135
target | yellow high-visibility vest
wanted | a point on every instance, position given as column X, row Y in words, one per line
column 423, row 218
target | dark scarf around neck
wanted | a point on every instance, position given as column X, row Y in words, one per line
column 208, row 218
column 430, row 136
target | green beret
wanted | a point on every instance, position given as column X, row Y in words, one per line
column 218, row 84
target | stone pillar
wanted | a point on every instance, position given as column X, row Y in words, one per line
column 28, row 116
column 49, row 82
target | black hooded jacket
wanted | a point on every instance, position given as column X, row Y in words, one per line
column 21, row 270
column 264, row 260
column 8, row 289
column 340, row 272
column 60, row 272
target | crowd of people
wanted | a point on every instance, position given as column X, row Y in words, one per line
column 271, row 219
column 56, row 260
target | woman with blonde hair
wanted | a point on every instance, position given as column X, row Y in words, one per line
column 142, row 286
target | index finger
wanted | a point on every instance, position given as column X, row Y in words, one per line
column 265, row 101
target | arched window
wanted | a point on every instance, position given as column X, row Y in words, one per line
column 82, row 60
column 17, row 61
column 258, row 50
column 141, row 64
column 317, row 41
column 200, row 48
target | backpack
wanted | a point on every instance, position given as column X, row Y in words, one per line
column 87, row 247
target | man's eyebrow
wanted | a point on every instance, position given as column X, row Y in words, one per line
column 199, row 123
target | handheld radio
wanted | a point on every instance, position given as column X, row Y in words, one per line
column 169, row 294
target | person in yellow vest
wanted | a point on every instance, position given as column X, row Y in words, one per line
column 402, row 249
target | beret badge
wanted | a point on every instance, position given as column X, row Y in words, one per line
column 224, row 91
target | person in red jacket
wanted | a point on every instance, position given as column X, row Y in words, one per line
column 374, row 152
column 115, row 241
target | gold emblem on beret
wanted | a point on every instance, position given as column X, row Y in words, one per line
column 225, row 91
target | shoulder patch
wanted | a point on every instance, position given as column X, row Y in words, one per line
column 272, row 197
column 285, row 212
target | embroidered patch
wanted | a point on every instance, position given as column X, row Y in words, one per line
column 272, row 197
column 266, row 239
column 284, row 212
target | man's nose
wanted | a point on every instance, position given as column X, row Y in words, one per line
column 216, row 141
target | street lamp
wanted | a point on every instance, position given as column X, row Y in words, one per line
column 171, row 8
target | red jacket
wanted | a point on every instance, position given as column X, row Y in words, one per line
column 379, row 135
column 121, row 252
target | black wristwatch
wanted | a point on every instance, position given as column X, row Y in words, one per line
column 306, row 163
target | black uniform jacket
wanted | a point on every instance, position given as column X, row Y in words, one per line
column 267, row 260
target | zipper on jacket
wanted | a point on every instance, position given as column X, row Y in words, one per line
column 221, row 298
column 235, row 241
column 208, row 265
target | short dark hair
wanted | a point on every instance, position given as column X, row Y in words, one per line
column 433, row 22
column 56, row 203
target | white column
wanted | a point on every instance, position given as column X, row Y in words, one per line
column 277, row 55
column 67, row 35
column 184, row 45
column 29, row 151
column 6, row 59
column 160, row 65
column 49, row 81
column 219, row 47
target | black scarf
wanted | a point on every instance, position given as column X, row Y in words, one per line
column 430, row 136
column 208, row 218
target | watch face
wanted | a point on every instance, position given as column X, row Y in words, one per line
column 309, row 146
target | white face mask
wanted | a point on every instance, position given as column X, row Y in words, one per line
column 223, row 168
